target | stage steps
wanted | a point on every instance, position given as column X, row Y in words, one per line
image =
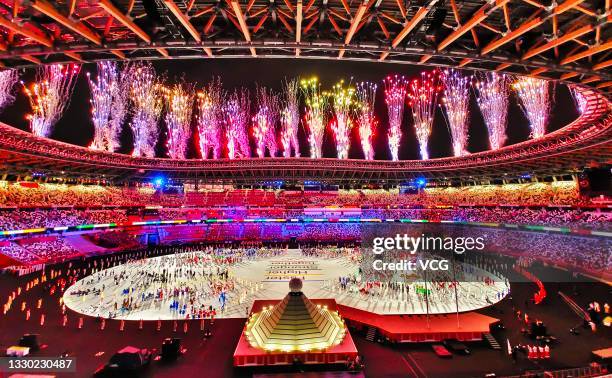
column 491, row 340
column 371, row 335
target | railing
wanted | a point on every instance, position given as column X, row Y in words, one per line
column 595, row 370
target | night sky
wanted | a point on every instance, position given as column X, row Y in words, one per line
column 76, row 127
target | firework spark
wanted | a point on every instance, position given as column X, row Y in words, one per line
column 366, row 96
column 395, row 95
column 102, row 92
column 316, row 106
column 236, row 112
column 343, row 102
column 179, row 100
column 145, row 93
column 290, row 119
column 423, row 94
column 121, row 102
column 49, row 96
column 8, row 79
column 492, row 97
column 209, row 119
column 264, row 122
column 535, row 102
column 579, row 98
column 456, row 102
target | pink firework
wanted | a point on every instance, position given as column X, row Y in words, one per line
column 147, row 100
column 423, row 95
column 290, row 119
column 264, row 122
column 209, row 119
column 121, row 99
column 492, row 96
column 179, row 103
column 456, row 102
column 8, row 79
column 579, row 98
column 395, row 94
column 366, row 97
column 49, row 96
column 535, row 102
column 236, row 112
column 109, row 102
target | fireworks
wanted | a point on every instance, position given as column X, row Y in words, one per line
column 8, row 79
column 395, row 94
column 316, row 106
column 264, row 122
column 49, row 96
column 342, row 103
column 120, row 106
column 456, row 103
column 423, row 93
column 145, row 93
column 179, row 101
column 579, row 99
column 492, row 97
column 209, row 118
column 290, row 119
column 109, row 102
column 535, row 102
column 366, row 96
column 236, row 112
column 102, row 91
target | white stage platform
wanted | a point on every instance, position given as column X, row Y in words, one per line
column 196, row 274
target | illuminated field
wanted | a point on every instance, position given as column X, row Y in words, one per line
column 263, row 277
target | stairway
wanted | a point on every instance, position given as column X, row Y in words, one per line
column 371, row 335
column 492, row 342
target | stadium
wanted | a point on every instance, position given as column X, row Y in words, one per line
column 320, row 188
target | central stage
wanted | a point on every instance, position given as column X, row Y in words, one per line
column 246, row 355
column 398, row 329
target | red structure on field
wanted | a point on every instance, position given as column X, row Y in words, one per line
column 469, row 326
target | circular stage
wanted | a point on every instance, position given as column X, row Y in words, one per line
column 188, row 284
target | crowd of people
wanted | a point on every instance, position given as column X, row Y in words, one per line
column 474, row 285
column 525, row 194
column 32, row 194
column 47, row 218
column 27, row 205
column 587, row 254
column 33, row 205
column 44, row 250
column 551, row 216
column 536, row 216
column 191, row 283
column 564, row 217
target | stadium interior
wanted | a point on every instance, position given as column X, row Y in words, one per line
column 201, row 188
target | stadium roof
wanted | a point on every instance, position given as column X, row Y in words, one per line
column 568, row 41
